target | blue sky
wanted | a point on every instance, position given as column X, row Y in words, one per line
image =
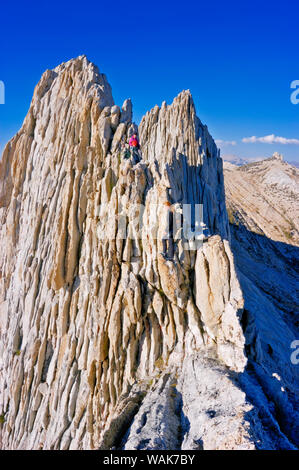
column 237, row 58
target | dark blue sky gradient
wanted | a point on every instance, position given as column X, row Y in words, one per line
column 237, row 58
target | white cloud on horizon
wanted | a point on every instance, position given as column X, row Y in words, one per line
column 222, row 143
column 270, row 139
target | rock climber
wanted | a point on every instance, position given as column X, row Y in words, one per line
column 167, row 238
column 125, row 151
column 134, row 147
column 133, row 142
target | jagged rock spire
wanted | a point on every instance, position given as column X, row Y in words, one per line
column 92, row 321
column 277, row 156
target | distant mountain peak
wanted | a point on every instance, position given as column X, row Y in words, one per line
column 277, row 156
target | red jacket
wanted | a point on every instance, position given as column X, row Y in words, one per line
column 133, row 142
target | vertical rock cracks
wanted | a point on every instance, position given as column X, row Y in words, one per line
column 100, row 334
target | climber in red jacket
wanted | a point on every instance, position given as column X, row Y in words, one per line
column 134, row 147
column 133, row 142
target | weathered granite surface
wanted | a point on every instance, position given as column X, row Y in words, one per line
column 105, row 343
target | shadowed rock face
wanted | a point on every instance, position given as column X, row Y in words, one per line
column 104, row 342
column 262, row 202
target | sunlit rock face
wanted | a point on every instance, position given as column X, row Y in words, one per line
column 105, row 342
column 264, row 197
